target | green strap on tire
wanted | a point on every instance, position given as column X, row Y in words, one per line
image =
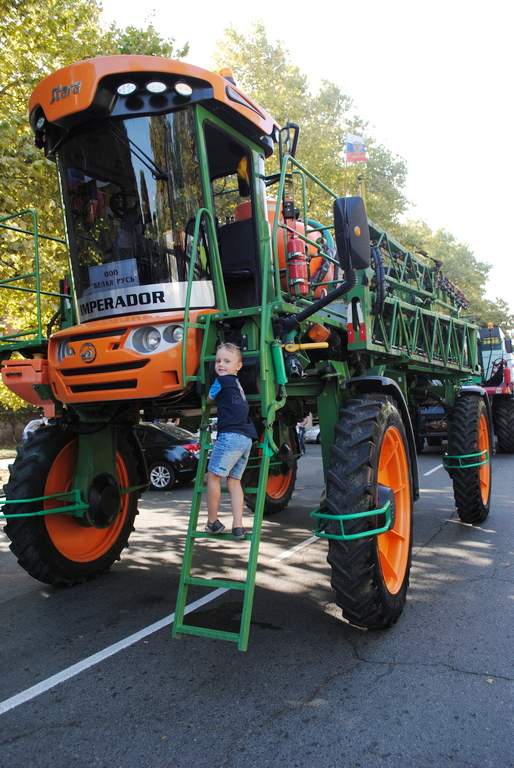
column 466, row 460
column 341, row 519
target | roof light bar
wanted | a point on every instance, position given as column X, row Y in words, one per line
column 183, row 89
column 155, row 86
column 125, row 89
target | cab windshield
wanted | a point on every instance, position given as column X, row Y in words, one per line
column 489, row 339
column 131, row 190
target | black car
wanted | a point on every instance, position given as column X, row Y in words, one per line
column 171, row 454
column 431, row 424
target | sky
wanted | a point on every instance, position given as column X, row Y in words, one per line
column 434, row 80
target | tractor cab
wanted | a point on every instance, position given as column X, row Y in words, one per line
column 161, row 171
column 496, row 357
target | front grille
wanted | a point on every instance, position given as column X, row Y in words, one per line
column 130, row 384
column 96, row 334
column 113, row 368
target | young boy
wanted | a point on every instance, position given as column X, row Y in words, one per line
column 234, row 440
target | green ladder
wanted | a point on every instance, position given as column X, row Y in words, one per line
column 193, row 534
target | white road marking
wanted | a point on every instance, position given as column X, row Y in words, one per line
column 430, row 471
column 96, row 658
column 90, row 661
column 291, row 551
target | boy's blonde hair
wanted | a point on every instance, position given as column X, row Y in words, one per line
column 231, row 348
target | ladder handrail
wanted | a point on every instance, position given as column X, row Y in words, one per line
column 219, row 285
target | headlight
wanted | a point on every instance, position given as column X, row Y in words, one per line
column 156, row 86
column 151, row 339
column 125, row 89
column 183, row 89
column 64, row 350
column 173, row 334
column 146, row 339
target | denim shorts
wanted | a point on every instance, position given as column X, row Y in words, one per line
column 230, row 454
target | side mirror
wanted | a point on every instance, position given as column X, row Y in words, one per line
column 352, row 233
column 286, row 143
column 508, row 346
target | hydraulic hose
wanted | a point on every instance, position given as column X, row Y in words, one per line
column 293, row 321
column 325, row 264
column 378, row 304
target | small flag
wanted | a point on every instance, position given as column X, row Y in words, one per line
column 355, row 149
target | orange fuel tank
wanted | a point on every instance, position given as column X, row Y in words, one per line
column 244, row 211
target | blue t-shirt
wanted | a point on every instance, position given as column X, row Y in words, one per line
column 232, row 406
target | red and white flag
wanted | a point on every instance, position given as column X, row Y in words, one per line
column 355, row 149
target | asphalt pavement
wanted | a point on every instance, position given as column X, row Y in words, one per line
column 91, row 677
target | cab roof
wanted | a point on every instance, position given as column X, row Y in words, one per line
column 89, row 89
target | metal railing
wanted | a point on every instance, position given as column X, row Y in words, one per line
column 32, row 336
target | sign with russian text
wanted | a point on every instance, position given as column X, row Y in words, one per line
column 116, row 274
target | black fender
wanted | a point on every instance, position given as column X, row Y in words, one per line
column 475, row 390
column 383, row 385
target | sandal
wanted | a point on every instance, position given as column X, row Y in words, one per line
column 215, row 527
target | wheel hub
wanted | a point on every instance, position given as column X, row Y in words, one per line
column 287, row 457
column 104, row 501
column 384, row 495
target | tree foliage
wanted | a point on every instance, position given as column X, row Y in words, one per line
column 143, row 41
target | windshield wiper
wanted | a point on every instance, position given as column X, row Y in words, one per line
column 157, row 172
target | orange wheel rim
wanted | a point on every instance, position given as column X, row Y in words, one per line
column 484, row 472
column 394, row 546
column 278, row 485
column 74, row 541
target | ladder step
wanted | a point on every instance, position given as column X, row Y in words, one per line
column 214, row 634
column 203, row 489
column 198, row 581
column 224, row 491
column 223, row 536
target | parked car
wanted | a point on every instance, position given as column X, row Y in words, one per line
column 171, row 454
column 312, row 434
column 431, row 424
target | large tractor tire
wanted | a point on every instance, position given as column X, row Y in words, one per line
column 504, row 424
column 59, row 549
column 468, row 432
column 369, row 465
column 281, row 479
